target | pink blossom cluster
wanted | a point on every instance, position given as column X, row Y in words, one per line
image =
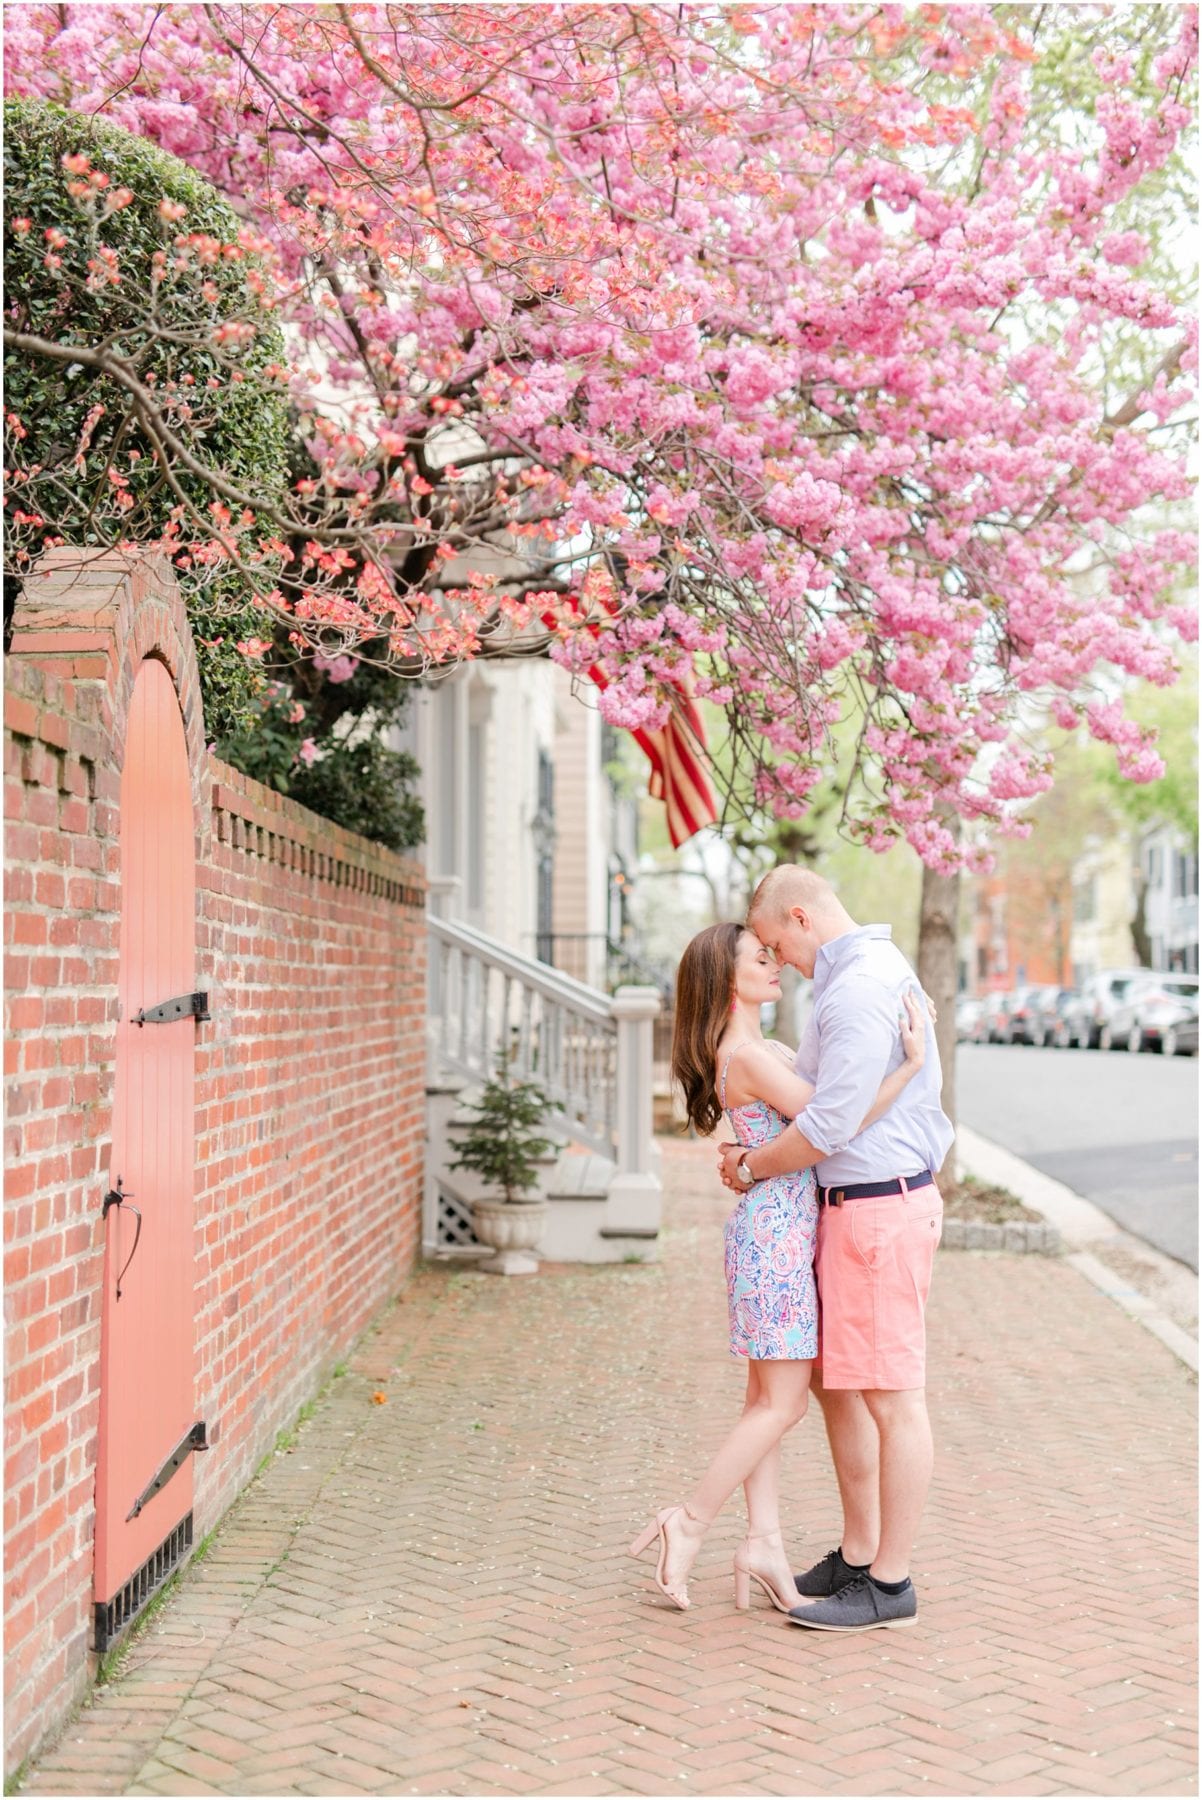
column 727, row 358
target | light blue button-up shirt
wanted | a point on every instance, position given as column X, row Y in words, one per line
column 851, row 1042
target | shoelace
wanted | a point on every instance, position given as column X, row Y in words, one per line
column 857, row 1581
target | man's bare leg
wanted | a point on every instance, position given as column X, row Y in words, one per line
column 906, row 1461
column 855, row 1451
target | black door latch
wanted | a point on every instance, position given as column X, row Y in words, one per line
column 117, row 1196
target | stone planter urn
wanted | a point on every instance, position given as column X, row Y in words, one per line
column 513, row 1228
column 502, row 1141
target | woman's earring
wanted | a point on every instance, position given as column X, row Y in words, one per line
column 734, row 1003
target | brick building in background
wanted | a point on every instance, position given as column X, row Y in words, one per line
column 1019, row 933
column 1126, row 899
column 255, row 1244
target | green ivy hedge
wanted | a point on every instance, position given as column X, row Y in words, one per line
column 245, row 433
column 242, row 428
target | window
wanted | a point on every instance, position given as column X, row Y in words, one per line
column 543, row 830
column 445, row 776
column 1185, row 875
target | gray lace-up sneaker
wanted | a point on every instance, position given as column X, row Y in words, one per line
column 860, row 1606
column 826, row 1577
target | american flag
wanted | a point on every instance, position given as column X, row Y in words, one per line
column 677, row 754
column 678, row 757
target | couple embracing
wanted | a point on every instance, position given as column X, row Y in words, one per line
column 829, row 1247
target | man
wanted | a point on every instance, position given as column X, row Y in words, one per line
column 880, row 1216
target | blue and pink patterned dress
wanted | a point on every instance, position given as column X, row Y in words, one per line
column 770, row 1251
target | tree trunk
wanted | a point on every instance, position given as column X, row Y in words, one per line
column 1139, row 921
column 938, row 925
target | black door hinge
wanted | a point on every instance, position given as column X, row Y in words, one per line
column 195, row 1440
column 185, row 1006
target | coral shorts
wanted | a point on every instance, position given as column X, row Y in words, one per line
column 873, row 1261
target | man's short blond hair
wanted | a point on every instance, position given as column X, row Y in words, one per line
column 788, row 886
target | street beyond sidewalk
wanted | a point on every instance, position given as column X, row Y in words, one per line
column 1120, row 1130
column 427, row 1594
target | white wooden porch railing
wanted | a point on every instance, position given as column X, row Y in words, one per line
column 590, row 1052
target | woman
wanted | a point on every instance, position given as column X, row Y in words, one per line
column 723, row 1063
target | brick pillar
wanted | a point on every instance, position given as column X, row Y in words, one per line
column 81, row 631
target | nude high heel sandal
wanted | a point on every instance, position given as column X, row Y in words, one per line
column 745, row 1575
column 647, row 1536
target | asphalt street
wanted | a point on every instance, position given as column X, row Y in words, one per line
column 1120, row 1130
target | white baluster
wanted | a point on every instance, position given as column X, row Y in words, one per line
column 635, row 1194
column 443, row 965
column 527, row 1063
column 508, row 1016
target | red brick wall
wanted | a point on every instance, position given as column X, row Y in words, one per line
column 310, row 1108
column 309, row 1098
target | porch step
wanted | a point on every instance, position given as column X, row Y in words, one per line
column 580, row 1175
column 592, row 1054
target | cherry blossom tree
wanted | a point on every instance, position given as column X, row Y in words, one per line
column 790, row 352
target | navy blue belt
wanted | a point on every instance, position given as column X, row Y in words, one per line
column 873, row 1190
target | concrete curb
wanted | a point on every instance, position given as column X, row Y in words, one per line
column 1021, row 1237
column 1084, row 1229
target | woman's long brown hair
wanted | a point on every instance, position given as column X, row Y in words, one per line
column 705, row 982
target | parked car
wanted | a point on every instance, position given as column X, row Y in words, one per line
column 1088, row 1016
column 1022, row 1012
column 1051, row 1005
column 994, row 1019
column 1181, row 1039
column 970, row 1012
column 1148, row 1008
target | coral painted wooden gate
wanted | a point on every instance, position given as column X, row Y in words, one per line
column 148, row 1428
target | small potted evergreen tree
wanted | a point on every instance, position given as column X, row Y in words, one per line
column 502, row 1142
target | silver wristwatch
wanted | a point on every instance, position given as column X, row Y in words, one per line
column 743, row 1172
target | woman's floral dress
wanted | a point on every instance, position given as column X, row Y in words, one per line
column 770, row 1251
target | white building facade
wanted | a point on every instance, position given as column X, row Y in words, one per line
column 1168, row 865
column 1103, row 907
column 1134, row 898
column 527, row 848
column 526, row 839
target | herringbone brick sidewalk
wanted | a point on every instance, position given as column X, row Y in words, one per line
column 429, row 1596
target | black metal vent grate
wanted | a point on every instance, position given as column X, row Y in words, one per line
column 116, row 1615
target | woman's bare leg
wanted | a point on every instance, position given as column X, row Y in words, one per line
column 761, row 1489
column 781, row 1398
column 766, row 1553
